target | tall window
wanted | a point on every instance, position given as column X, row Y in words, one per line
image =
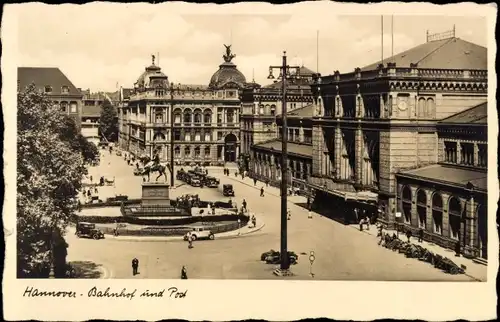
column 73, row 107
column 430, row 108
column 422, row 208
column 219, row 119
column 450, row 149
column 437, row 213
column 64, row 107
column 207, row 118
column 455, row 212
column 467, row 153
column 48, row 89
column 197, row 136
column 273, row 110
column 230, row 116
column 406, row 204
column 187, row 152
column 308, row 136
column 482, row 155
column 197, row 152
column 187, row 136
column 197, row 117
column 187, row 116
column 422, row 108
column 177, row 117
column 208, row 137
column 158, row 115
column 177, row 152
column 207, row 151
column 177, row 135
column 219, row 136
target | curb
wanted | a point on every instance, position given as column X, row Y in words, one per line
column 468, row 275
column 255, row 187
column 243, row 234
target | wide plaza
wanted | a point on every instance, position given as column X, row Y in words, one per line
column 342, row 253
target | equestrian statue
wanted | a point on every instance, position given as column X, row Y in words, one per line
column 154, row 165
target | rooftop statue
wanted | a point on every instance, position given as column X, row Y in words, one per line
column 228, row 56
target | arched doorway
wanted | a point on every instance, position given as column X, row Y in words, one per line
column 422, row 208
column 455, row 216
column 437, row 213
column 482, row 230
column 230, row 148
column 406, row 204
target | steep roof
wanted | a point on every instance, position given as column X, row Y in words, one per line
column 477, row 114
column 451, row 53
column 45, row 76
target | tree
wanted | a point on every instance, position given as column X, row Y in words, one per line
column 108, row 121
column 50, row 167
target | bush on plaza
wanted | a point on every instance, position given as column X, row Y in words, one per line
column 159, row 222
column 50, row 167
column 108, row 121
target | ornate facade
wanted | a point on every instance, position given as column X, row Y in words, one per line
column 205, row 118
column 266, row 156
column 261, row 105
column 383, row 118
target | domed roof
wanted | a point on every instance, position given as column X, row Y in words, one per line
column 152, row 75
column 227, row 73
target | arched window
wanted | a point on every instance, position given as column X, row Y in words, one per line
column 207, row 152
column 73, row 107
column 422, row 208
column 406, row 204
column 159, row 137
column 187, row 116
column 158, row 115
column 207, row 117
column 431, row 108
column 273, row 110
column 197, row 152
column 177, row 151
column 261, row 109
column 421, row 108
column 455, row 215
column 177, row 116
column 197, row 117
column 437, row 213
column 187, row 152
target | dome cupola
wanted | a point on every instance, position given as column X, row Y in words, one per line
column 227, row 75
column 152, row 77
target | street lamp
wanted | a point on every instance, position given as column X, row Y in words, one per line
column 171, row 135
column 286, row 72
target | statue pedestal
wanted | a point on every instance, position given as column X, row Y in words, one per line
column 155, row 194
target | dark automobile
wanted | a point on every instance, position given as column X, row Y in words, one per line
column 273, row 257
column 193, row 179
column 85, row 229
column 210, row 182
column 227, row 190
column 181, row 175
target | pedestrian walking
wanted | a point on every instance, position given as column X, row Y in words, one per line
column 184, row 273
column 309, row 214
column 190, row 240
column 361, row 224
column 254, row 221
column 91, row 179
column 420, row 235
column 457, row 248
column 244, row 203
column 262, row 192
column 254, row 182
column 308, row 202
column 89, row 193
column 96, row 191
column 367, row 221
column 408, row 234
column 135, row 266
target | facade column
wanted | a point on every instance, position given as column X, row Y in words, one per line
column 358, row 147
column 459, row 153
column 338, row 151
column 476, row 154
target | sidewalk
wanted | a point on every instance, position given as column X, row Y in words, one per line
column 474, row 270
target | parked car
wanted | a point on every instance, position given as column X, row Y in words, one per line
column 85, row 229
column 211, row 182
column 200, row 233
column 181, row 175
column 227, row 190
column 273, row 257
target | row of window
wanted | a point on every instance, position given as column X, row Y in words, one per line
column 466, row 155
column 294, row 135
column 64, row 89
column 180, row 135
column 66, row 107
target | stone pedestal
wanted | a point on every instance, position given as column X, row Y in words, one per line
column 155, row 194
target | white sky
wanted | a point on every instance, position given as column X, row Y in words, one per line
column 99, row 45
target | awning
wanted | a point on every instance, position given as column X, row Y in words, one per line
column 342, row 190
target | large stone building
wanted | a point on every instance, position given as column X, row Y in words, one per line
column 205, row 118
column 449, row 199
column 261, row 105
column 378, row 120
column 53, row 82
column 266, row 155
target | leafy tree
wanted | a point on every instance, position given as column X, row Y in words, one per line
column 50, row 167
column 108, row 121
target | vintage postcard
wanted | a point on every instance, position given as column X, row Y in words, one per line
column 250, row 161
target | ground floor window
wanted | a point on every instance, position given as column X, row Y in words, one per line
column 455, row 213
column 207, row 151
column 437, row 213
column 422, row 208
column 406, row 204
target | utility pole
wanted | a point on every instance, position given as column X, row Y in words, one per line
column 285, row 72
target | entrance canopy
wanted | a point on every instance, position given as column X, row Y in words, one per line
column 342, row 190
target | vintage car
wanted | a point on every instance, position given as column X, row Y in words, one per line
column 200, row 233
column 138, row 171
column 211, row 182
column 85, row 229
column 273, row 257
column 193, row 179
column 227, row 190
column 181, row 175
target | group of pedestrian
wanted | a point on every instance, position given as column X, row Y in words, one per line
column 226, row 171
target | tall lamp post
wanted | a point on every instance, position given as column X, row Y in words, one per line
column 285, row 73
column 171, row 135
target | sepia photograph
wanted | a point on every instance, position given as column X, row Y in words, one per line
column 156, row 142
